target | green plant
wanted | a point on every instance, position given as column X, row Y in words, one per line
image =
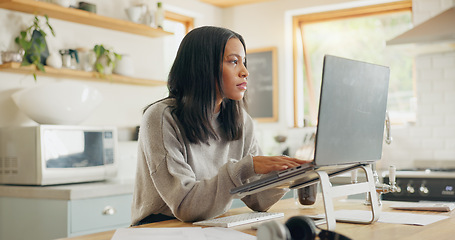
column 106, row 59
column 32, row 40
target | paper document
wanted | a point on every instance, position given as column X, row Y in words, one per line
column 186, row 233
column 220, row 233
column 387, row 217
column 425, row 206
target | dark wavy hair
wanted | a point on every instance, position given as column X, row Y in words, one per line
column 193, row 81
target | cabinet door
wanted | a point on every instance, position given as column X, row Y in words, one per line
column 100, row 214
column 37, row 219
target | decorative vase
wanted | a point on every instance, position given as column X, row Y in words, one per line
column 124, row 66
column 107, row 67
column 38, row 39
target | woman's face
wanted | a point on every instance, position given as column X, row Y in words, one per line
column 234, row 70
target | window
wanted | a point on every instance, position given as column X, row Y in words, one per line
column 180, row 25
column 357, row 33
column 184, row 23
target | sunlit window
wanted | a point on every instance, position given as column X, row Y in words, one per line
column 361, row 36
column 179, row 25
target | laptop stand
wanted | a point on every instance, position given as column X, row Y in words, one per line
column 329, row 192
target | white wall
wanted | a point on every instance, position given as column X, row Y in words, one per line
column 123, row 104
column 432, row 138
column 263, row 25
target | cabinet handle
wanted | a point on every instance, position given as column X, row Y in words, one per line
column 108, row 210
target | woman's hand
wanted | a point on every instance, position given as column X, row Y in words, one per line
column 266, row 164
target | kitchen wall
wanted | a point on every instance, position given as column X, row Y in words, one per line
column 431, row 138
column 263, row 25
column 123, row 104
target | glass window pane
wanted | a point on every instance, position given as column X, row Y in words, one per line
column 364, row 39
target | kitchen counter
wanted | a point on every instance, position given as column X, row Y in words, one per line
column 70, row 191
column 379, row 230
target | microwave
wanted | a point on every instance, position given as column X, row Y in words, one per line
column 57, row 154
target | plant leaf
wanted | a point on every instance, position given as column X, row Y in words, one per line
column 40, row 67
column 25, row 63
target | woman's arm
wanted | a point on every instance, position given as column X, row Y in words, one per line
column 171, row 177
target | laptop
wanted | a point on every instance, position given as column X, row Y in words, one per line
column 350, row 129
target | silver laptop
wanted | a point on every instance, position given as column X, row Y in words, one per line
column 350, row 128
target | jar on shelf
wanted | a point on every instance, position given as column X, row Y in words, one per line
column 87, row 59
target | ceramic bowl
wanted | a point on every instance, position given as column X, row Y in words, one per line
column 62, row 103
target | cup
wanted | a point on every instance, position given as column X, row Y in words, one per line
column 87, row 59
column 306, row 196
column 70, row 58
column 135, row 13
column 124, row 66
column 54, row 60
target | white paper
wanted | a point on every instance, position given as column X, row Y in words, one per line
column 219, row 233
column 159, row 233
column 388, row 217
column 186, row 233
column 425, row 206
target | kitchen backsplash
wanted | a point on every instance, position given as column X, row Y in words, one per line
column 433, row 135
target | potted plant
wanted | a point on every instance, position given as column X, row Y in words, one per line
column 33, row 41
column 106, row 59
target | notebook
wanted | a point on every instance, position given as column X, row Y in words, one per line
column 350, row 129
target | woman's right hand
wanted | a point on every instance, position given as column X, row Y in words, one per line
column 266, row 164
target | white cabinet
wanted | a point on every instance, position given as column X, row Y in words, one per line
column 94, row 209
column 99, row 214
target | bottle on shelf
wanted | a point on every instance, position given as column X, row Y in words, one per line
column 159, row 15
column 148, row 16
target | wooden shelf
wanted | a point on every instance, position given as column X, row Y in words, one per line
column 15, row 67
column 81, row 16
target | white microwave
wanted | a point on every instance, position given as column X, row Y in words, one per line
column 57, row 154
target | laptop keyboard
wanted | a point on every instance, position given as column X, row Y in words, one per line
column 240, row 219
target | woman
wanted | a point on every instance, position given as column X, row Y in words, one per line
column 198, row 143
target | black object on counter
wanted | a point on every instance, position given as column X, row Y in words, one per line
column 89, row 7
column 136, row 134
column 307, row 195
column 39, row 40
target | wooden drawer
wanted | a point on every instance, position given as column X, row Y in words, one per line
column 100, row 213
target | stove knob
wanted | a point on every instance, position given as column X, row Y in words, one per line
column 423, row 190
column 410, row 189
column 398, row 190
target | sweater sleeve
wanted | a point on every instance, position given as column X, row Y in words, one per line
column 261, row 201
column 173, row 178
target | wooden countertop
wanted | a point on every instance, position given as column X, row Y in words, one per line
column 440, row 230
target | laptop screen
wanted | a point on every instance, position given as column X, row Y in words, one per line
column 352, row 112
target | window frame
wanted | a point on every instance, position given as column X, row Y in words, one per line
column 188, row 22
column 299, row 50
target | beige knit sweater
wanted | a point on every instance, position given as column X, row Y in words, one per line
column 192, row 181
